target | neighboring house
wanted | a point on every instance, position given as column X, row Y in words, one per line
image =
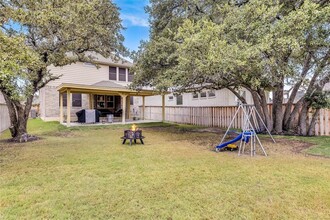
column 287, row 93
column 223, row 97
column 89, row 87
column 4, row 115
column 2, row 99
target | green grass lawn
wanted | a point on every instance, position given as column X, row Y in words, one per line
column 86, row 173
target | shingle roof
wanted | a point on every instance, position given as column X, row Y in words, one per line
column 327, row 87
column 109, row 84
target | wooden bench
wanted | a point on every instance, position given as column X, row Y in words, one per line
column 132, row 135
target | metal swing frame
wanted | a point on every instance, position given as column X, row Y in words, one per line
column 249, row 127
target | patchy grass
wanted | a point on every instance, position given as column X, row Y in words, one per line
column 86, row 173
column 319, row 146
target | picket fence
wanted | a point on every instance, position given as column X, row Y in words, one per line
column 4, row 117
column 219, row 116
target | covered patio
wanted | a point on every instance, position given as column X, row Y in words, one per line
column 104, row 88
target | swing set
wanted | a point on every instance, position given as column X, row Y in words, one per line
column 250, row 128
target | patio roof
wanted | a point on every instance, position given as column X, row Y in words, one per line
column 104, row 88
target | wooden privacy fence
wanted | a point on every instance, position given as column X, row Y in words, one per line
column 218, row 116
column 4, row 117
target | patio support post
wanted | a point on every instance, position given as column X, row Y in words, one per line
column 143, row 106
column 61, row 108
column 91, row 101
column 123, row 99
column 163, row 107
column 128, row 107
column 68, row 108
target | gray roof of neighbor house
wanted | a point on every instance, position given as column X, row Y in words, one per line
column 110, row 61
column 327, row 87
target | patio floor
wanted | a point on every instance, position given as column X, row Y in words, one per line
column 76, row 124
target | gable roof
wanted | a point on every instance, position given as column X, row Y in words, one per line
column 108, row 84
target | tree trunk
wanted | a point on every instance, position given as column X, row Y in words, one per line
column 19, row 115
column 289, row 124
column 311, row 128
column 302, row 124
column 287, row 113
column 278, row 109
column 241, row 98
column 257, row 104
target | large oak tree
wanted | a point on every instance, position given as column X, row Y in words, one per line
column 38, row 33
column 255, row 44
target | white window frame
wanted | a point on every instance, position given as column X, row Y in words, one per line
column 200, row 95
column 193, row 98
column 211, row 97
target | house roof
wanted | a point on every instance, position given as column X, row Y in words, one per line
column 327, row 87
column 99, row 59
column 109, row 84
column 104, row 88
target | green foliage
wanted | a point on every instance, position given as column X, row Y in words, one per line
column 55, row 33
column 318, row 99
column 255, row 44
column 16, row 58
column 37, row 34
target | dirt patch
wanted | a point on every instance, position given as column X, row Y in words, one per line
column 208, row 138
column 64, row 134
column 28, row 138
column 210, row 130
column 295, row 146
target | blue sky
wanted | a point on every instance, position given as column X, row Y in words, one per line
column 135, row 20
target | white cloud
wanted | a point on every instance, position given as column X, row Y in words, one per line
column 135, row 21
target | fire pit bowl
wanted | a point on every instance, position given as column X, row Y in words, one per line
column 132, row 134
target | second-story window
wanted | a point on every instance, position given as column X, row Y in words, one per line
column 179, row 100
column 130, row 76
column 112, row 73
column 203, row 94
column 122, row 74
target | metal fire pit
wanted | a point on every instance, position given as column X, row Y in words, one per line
column 132, row 135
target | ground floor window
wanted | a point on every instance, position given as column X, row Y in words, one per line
column 110, row 101
column 65, row 100
column 76, row 100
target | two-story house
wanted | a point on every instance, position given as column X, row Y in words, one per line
column 86, row 86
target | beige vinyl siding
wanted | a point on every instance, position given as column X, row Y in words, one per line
column 223, row 97
column 80, row 73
